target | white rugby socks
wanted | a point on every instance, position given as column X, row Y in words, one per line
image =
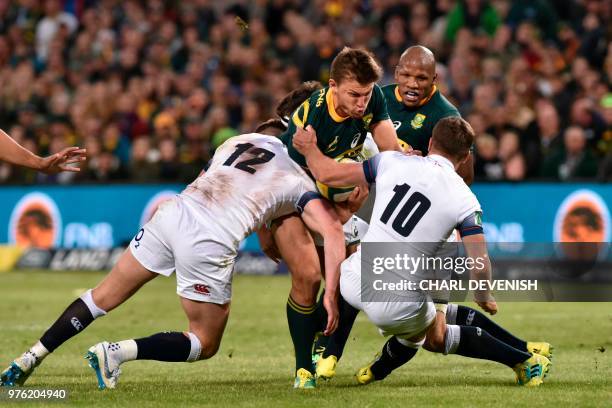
column 124, row 350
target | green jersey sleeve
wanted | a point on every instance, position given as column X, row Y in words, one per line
column 308, row 113
column 378, row 105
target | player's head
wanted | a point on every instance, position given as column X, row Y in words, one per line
column 415, row 75
column 284, row 109
column 452, row 138
column 294, row 99
column 353, row 74
column 271, row 127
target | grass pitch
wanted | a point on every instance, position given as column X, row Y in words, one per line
column 254, row 366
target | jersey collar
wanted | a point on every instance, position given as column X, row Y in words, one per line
column 397, row 94
column 329, row 98
column 423, row 102
column 441, row 160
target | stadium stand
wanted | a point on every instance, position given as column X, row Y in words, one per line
column 151, row 88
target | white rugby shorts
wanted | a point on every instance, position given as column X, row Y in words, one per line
column 173, row 240
column 402, row 319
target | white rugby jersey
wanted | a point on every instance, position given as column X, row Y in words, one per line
column 419, row 199
column 251, row 180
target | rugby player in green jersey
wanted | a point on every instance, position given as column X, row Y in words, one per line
column 342, row 114
column 415, row 103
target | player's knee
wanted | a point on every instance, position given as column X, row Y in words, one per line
column 306, row 280
column 434, row 343
column 305, row 285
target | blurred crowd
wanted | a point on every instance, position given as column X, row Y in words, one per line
column 151, row 88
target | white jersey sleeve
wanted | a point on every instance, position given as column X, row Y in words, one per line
column 371, row 165
column 469, row 221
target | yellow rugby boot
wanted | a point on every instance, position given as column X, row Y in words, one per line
column 326, row 367
column 532, row 371
column 541, row 348
column 304, row 380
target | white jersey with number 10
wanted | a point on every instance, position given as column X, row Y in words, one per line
column 418, row 199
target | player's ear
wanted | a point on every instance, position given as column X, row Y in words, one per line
column 435, row 77
column 332, row 83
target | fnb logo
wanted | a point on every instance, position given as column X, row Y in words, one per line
column 202, row 289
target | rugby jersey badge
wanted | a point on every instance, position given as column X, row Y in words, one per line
column 418, row 120
column 332, row 145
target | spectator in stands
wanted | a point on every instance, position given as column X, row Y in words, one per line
column 106, row 168
column 169, row 165
column 165, row 127
column 393, row 44
column 605, row 143
column 574, row 160
column 477, row 16
column 143, row 165
column 487, row 164
column 538, row 12
column 194, row 150
column 53, row 23
column 585, row 115
column 542, row 137
column 511, row 157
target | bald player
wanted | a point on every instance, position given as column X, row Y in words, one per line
column 415, row 103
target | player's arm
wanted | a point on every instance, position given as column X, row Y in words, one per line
column 320, row 217
column 325, row 169
column 466, row 170
column 475, row 244
column 346, row 209
column 385, row 136
column 14, row 153
column 381, row 126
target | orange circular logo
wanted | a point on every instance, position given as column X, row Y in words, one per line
column 582, row 217
column 582, row 225
column 35, row 222
column 583, row 222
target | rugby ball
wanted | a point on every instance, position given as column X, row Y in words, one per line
column 336, row 194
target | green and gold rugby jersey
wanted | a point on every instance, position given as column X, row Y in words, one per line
column 414, row 126
column 338, row 137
